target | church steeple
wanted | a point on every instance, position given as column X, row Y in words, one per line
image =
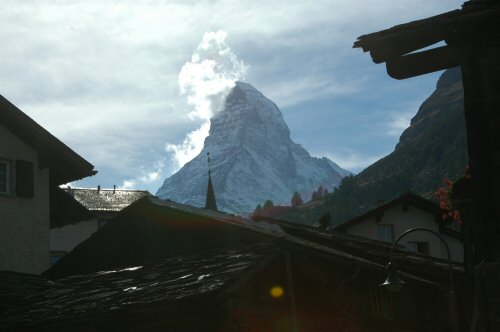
column 210, row 203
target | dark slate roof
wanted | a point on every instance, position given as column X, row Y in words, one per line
column 106, row 199
column 65, row 164
column 374, row 255
column 160, row 264
column 152, row 228
column 16, row 287
column 273, row 211
column 174, row 292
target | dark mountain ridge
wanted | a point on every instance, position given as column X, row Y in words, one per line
column 432, row 148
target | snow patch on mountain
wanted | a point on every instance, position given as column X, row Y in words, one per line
column 252, row 159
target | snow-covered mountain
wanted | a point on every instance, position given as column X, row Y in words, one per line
column 252, row 159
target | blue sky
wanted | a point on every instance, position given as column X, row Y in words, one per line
column 104, row 76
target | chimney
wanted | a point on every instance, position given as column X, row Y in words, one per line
column 114, row 188
column 70, row 191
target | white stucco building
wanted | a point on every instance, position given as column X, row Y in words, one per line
column 33, row 163
column 388, row 221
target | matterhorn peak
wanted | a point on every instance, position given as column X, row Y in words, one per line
column 252, row 159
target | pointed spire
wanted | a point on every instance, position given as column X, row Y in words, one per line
column 208, row 157
column 210, row 203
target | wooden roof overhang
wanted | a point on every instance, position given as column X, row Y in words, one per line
column 398, row 47
column 65, row 164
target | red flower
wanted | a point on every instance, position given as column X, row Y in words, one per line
column 445, row 198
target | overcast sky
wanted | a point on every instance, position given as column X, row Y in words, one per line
column 117, row 80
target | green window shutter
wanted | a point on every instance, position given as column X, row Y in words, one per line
column 24, row 179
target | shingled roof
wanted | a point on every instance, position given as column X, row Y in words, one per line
column 106, row 199
column 152, row 228
column 159, row 264
column 176, row 292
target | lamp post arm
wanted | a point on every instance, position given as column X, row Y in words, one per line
column 450, row 267
column 411, row 230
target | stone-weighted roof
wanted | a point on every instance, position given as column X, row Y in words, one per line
column 163, row 286
column 165, row 266
column 106, row 199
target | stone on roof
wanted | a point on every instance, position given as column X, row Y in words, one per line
column 106, row 199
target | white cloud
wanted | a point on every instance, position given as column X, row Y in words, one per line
column 191, row 146
column 353, row 161
column 395, row 122
column 211, row 73
column 398, row 123
column 205, row 81
column 146, row 177
column 129, row 184
column 103, row 76
column 306, row 88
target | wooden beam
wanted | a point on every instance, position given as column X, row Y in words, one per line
column 424, row 62
column 388, row 48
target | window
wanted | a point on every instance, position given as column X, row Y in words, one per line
column 419, row 246
column 385, row 232
column 18, row 180
column 4, row 177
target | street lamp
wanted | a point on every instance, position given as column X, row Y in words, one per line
column 394, row 284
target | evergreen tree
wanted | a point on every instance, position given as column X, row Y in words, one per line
column 258, row 209
column 296, row 199
column 268, row 204
column 314, row 196
column 325, row 221
column 321, row 192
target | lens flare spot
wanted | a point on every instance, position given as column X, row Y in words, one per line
column 277, row 291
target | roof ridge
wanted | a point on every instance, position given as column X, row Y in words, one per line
column 104, row 189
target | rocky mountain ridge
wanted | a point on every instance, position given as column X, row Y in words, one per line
column 432, row 148
column 252, row 159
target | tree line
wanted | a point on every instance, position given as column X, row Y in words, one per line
column 296, row 199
